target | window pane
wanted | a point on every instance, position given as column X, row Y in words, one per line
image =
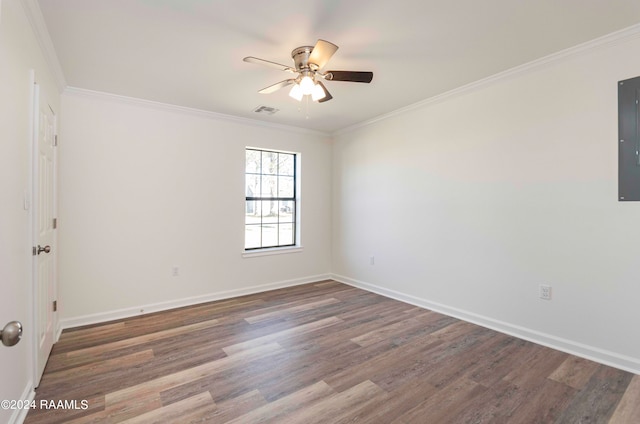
column 269, row 235
column 286, row 211
column 252, row 185
column 269, row 211
column 252, row 236
column 269, row 162
column 253, row 214
column 269, row 176
column 269, row 186
column 286, row 164
column 285, row 186
column 253, row 161
column 286, row 234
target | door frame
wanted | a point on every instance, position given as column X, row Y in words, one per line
column 33, row 217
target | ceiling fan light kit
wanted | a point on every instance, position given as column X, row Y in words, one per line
column 308, row 62
column 296, row 92
column 317, row 93
column 306, row 85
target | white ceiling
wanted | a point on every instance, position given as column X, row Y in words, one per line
column 189, row 52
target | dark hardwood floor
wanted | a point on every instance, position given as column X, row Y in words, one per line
column 320, row 353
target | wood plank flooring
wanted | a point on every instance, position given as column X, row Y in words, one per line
column 320, row 353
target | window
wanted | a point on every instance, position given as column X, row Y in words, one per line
column 270, row 207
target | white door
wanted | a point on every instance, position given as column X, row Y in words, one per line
column 44, row 230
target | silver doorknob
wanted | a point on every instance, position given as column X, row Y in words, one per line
column 11, row 333
column 45, row 249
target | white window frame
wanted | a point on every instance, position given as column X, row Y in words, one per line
column 297, row 246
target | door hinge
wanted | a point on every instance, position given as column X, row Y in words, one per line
column 55, row 306
column 55, row 223
column 55, row 140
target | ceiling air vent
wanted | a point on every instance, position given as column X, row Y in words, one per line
column 266, row 110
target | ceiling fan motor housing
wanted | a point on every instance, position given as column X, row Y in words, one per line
column 300, row 56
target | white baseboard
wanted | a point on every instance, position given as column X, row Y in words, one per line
column 595, row 354
column 19, row 415
column 602, row 356
column 178, row 303
column 58, row 331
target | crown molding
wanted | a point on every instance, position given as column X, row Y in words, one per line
column 35, row 18
column 613, row 38
column 150, row 104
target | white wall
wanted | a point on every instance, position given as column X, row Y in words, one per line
column 470, row 202
column 19, row 53
column 144, row 188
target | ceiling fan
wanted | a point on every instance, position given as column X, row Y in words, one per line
column 308, row 63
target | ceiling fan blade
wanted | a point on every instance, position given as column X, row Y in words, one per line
column 277, row 86
column 251, row 59
column 322, row 52
column 327, row 95
column 352, row 76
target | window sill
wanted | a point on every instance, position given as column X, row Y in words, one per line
column 271, row 251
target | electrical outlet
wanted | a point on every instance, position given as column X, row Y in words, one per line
column 175, row 271
column 545, row 292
